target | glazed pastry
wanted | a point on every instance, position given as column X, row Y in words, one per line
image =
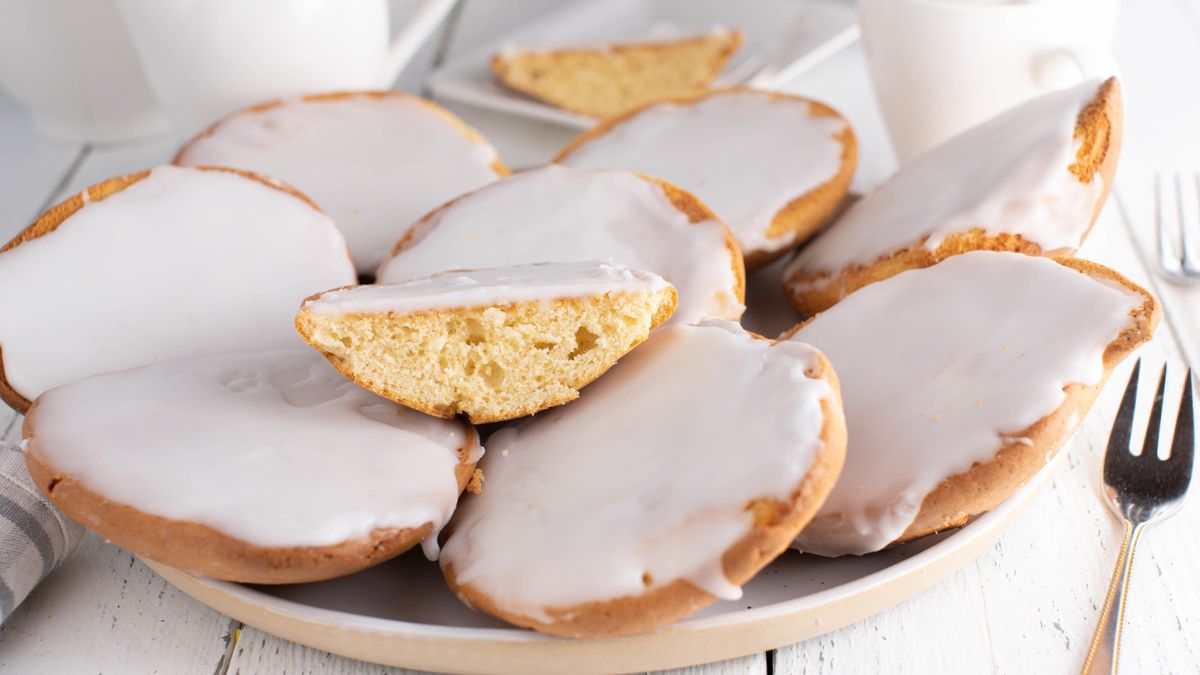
column 960, row 382
column 162, row 264
column 493, row 344
column 671, row 482
column 1032, row 180
column 774, row 167
column 261, row 467
column 556, row 214
column 609, row 79
column 374, row 161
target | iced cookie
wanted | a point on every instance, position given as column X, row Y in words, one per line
column 557, row 214
column 774, row 167
column 961, row 381
column 492, row 344
column 1032, row 180
column 163, row 264
column 671, row 482
column 374, row 161
column 261, row 467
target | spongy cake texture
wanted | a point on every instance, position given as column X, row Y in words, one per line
column 609, row 80
column 490, row 362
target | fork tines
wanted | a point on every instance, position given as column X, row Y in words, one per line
column 1145, row 472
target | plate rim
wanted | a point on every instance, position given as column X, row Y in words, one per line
column 691, row 641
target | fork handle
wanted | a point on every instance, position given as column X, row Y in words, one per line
column 1106, row 642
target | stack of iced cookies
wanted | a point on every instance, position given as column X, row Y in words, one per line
column 207, row 383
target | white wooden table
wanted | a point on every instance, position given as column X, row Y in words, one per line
column 1027, row 605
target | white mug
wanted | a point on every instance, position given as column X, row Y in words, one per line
column 208, row 58
column 940, row 67
column 72, row 65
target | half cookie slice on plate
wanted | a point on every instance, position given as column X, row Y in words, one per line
column 607, row 79
column 673, row 480
column 1032, row 180
column 960, row 382
column 495, row 344
column 263, row 467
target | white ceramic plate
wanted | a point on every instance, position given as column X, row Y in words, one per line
column 782, row 39
column 402, row 614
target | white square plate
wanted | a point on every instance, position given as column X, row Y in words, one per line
column 782, row 39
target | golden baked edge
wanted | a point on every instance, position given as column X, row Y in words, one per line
column 984, row 486
column 1099, row 127
column 981, row 488
column 202, row 550
column 661, row 301
column 776, row 525
column 804, row 214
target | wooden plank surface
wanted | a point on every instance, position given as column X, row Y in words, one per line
column 259, row 652
column 102, row 611
column 1027, row 605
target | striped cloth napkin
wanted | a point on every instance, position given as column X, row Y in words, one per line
column 34, row 536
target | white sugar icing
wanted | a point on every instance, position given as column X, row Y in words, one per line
column 1007, row 175
column 271, row 448
column 497, row 286
column 650, row 471
column 182, row 263
column 940, row 367
column 374, row 164
column 746, row 154
column 558, row 214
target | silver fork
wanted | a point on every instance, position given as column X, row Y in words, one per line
column 1184, row 265
column 1142, row 490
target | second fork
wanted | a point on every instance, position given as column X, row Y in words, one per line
column 1173, row 223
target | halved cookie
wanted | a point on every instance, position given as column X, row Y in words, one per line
column 260, row 467
column 609, row 79
column 673, row 480
column 960, row 382
column 163, row 264
column 558, row 214
column 494, row 344
column 375, row 161
column 1032, row 180
column 774, row 167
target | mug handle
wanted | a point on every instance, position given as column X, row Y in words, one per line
column 412, row 37
column 1086, row 62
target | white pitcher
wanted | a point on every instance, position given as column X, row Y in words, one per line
column 940, row 67
column 72, row 65
column 207, row 58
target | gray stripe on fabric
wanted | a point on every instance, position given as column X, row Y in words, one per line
column 32, row 530
column 7, row 601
